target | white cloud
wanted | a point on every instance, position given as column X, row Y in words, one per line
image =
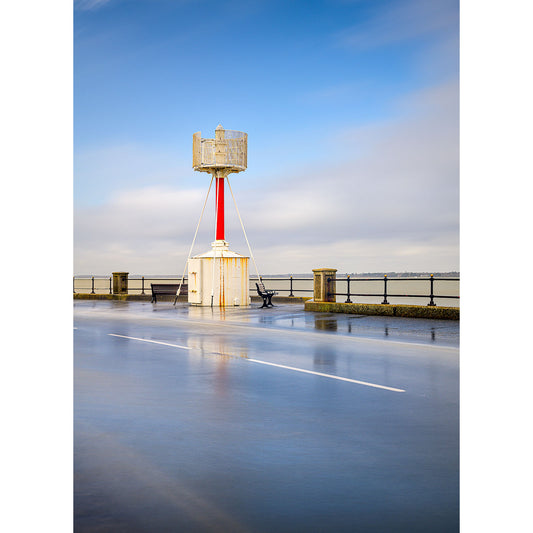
column 103, row 171
column 385, row 198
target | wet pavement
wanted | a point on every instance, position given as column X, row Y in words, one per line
column 262, row 420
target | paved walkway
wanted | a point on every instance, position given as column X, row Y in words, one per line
column 246, row 419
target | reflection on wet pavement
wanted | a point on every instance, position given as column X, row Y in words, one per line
column 200, row 419
column 292, row 316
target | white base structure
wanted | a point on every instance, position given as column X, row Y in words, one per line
column 218, row 278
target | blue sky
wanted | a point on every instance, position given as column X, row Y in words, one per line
column 352, row 112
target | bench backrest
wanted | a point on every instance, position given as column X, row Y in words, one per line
column 168, row 288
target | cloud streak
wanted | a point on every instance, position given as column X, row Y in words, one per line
column 390, row 201
column 402, row 21
column 87, row 5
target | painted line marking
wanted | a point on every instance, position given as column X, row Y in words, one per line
column 154, row 342
column 366, row 383
column 328, row 376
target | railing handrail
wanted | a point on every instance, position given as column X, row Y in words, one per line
column 348, row 279
column 399, row 278
column 281, row 278
column 385, row 279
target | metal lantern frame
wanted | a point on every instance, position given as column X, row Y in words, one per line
column 228, row 151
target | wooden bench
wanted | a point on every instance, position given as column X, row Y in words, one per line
column 167, row 289
column 265, row 294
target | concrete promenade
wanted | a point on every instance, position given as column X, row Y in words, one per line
column 261, row 420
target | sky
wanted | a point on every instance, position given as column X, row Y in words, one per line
column 352, row 114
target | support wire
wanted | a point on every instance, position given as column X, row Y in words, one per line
column 244, row 231
column 193, row 241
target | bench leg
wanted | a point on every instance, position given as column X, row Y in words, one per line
column 265, row 304
column 270, row 300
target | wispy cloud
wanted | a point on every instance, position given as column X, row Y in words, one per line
column 90, row 4
column 101, row 171
column 335, row 92
column 402, row 21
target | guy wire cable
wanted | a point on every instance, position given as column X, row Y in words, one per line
column 194, row 239
column 244, row 231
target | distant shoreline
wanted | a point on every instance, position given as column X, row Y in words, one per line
column 452, row 274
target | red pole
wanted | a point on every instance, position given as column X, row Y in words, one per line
column 220, row 209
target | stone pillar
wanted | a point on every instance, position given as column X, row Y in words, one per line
column 322, row 287
column 120, row 282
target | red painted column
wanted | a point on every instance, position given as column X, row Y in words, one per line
column 220, row 209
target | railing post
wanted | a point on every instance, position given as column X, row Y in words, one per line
column 385, row 290
column 92, row 285
column 142, row 292
column 291, row 294
column 431, row 302
column 74, row 284
column 348, row 301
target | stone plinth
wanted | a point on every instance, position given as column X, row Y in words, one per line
column 120, row 282
column 324, row 284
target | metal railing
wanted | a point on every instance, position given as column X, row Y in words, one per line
column 291, row 290
column 104, row 284
column 385, row 292
column 288, row 286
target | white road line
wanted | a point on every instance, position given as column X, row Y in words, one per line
column 328, row 376
column 148, row 340
column 273, row 364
